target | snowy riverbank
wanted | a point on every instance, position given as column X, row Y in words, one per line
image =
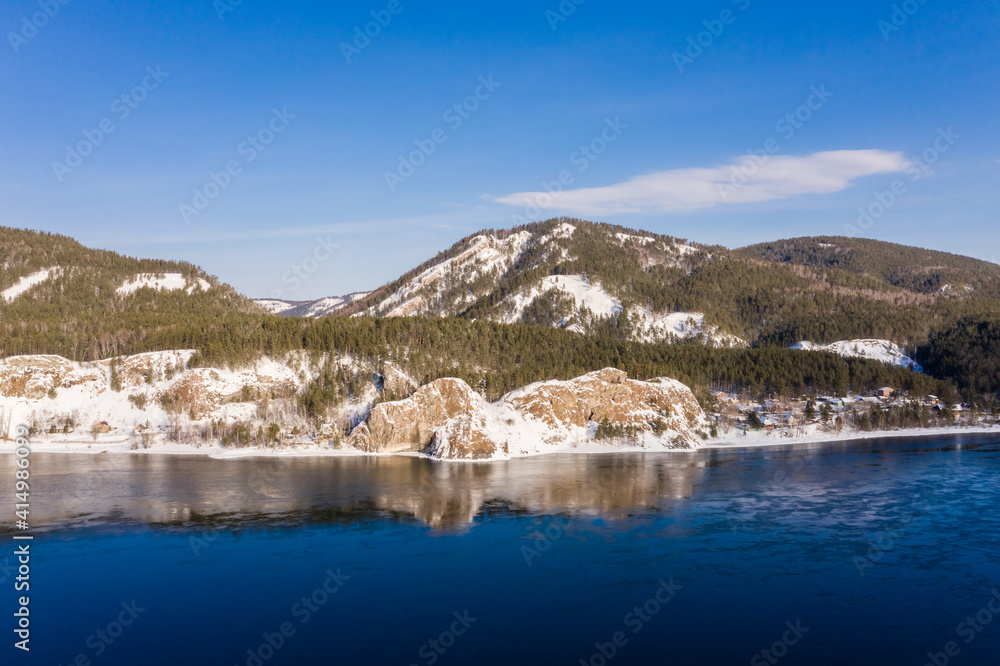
column 116, row 443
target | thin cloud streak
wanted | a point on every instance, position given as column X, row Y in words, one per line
column 743, row 181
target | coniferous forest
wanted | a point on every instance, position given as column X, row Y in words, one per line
column 807, row 289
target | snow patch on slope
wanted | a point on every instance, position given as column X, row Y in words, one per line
column 649, row 327
column 484, row 254
column 640, row 240
column 562, row 230
column 652, row 327
column 584, row 294
column 686, row 250
column 876, row 350
column 27, row 282
column 161, row 282
column 577, row 287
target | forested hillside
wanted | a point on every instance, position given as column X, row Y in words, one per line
column 497, row 358
column 60, row 297
column 822, row 290
column 498, row 302
column 911, row 268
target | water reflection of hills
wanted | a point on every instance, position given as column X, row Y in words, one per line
column 77, row 490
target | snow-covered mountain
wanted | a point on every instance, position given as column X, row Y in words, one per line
column 540, row 274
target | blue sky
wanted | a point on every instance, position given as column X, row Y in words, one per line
column 265, row 91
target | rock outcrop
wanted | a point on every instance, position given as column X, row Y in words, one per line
column 449, row 420
column 467, row 437
column 661, row 404
column 409, row 425
column 33, row 377
column 397, row 383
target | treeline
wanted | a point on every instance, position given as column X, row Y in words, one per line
column 496, row 358
column 968, row 352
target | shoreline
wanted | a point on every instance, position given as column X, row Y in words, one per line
column 727, row 442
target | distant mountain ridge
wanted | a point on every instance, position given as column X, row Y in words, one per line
column 911, row 268
column 593, row 278
column 317, row 308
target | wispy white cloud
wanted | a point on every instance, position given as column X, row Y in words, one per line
column 779, row 177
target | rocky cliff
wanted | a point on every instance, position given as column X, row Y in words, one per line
column 599, row 411
column 159, row 394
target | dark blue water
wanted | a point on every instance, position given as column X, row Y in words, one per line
column 868, row 552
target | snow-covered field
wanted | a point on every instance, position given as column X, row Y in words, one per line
column 876, row 350
column 815, row 434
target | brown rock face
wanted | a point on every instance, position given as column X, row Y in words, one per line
column 361, row 439
column 409, row 425
column 140, row 369
column 456, row 423
column 609, row 394
column 33, row 377
column 195, row 393
column 395, row 382
column 465, row 437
